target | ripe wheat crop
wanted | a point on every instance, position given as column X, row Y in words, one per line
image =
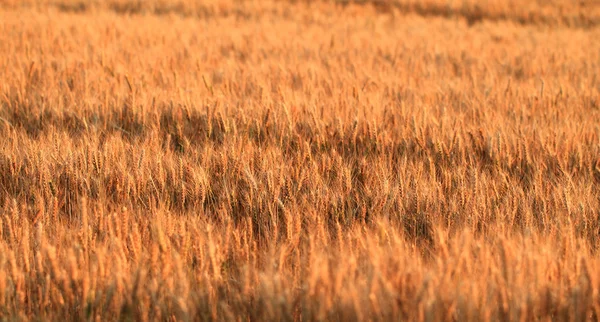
column 299, row 160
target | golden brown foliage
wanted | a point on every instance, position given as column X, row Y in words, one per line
column 259, row 160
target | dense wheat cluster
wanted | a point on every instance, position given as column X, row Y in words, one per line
column 309, row 160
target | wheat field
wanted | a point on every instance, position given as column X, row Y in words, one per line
column 299, row 160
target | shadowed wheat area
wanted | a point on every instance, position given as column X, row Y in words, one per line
column 299, row 160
